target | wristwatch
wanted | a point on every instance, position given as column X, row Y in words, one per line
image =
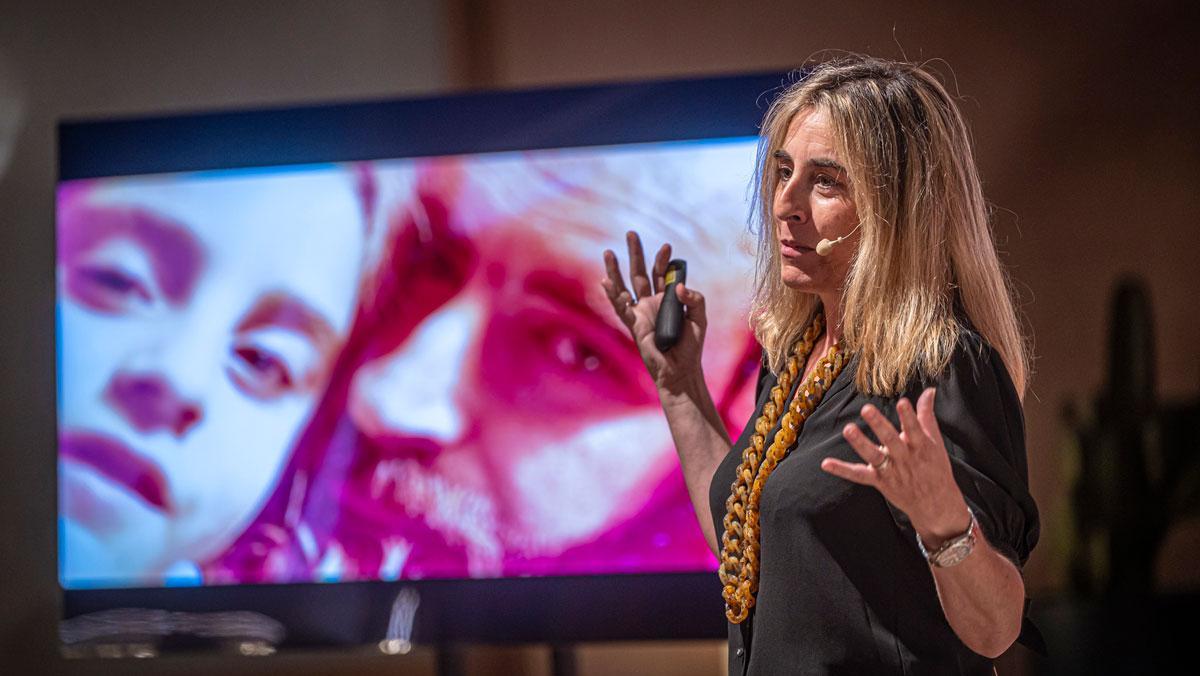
column 953, row 551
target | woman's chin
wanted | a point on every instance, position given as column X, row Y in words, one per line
column 797, row 280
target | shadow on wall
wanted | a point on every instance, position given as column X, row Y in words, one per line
column 1134, row 465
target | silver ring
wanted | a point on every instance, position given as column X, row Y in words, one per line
column 887, row 458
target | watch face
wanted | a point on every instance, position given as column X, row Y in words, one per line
column 955, row 553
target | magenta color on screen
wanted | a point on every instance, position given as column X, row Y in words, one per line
column 531, row 379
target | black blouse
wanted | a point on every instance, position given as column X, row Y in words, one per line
column 843, row 588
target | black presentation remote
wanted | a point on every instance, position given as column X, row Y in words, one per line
column 669, row 325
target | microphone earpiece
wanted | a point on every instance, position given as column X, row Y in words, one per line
column 825, row 247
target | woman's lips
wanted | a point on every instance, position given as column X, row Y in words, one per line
column 120, row 464
column 792, row 250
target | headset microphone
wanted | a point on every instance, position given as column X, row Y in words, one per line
column 825, row 247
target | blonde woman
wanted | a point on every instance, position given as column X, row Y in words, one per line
column 874, row 515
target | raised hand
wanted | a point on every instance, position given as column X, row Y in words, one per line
column 911, row 468
column 638, row 311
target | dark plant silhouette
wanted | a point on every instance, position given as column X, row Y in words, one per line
column 1138, row 462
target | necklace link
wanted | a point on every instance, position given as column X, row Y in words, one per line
column 740, row 541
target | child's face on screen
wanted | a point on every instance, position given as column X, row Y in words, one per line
column 521, row 402
column 198, row 321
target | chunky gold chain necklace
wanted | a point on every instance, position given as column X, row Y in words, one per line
column 740, row 543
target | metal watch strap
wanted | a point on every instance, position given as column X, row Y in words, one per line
column 953, row 551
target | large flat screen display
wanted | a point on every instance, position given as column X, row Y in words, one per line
column 368, row 344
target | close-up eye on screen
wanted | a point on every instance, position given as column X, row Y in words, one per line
column 384, row 370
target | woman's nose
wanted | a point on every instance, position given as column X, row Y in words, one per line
column 415, row 390
column 790, row 204
column 149, row 402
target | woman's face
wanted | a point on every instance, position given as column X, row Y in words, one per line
column 522, row 400
column 198, row 321
column 812, row 202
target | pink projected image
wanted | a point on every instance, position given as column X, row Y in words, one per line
column 397, row 370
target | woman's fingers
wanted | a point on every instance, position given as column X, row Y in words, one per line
column 661, row 260
column 614, row 288
column 884, row 432
column 612, row 269
column 926, row 417
column 850, row 471
column 622, row 303
column 623, row 299
column 906, row 470
column 694, row 302
column 869, row 452
column 914, row 435
column 637, row 266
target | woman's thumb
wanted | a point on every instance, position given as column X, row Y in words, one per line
column 694, row 302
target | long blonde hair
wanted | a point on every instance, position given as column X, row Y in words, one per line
column 926, row 242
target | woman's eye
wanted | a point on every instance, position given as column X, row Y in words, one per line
column 826, row 181
column 260, row 373
column 785, row 173
column 107, row 289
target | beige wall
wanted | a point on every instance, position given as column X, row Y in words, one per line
column 1084, row 133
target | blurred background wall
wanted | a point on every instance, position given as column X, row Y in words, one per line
column 1083, row 120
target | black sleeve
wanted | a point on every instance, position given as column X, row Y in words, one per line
column 980, row 417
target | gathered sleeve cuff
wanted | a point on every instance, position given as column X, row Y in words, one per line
column 980, row 417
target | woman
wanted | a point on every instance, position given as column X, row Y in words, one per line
column 200, row 317
column 894, row 549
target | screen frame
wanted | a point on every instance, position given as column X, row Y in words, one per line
column 503, row 610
